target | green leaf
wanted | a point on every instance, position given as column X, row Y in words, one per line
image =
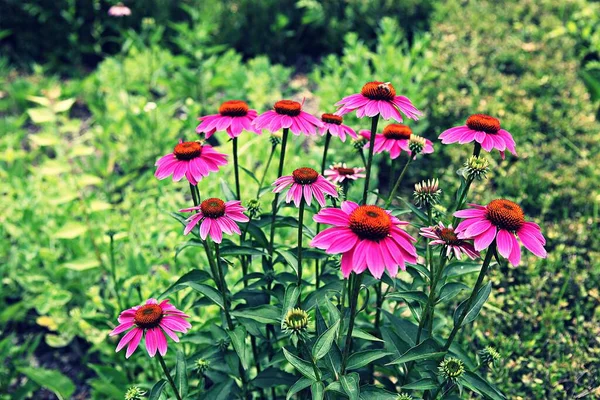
column 421, row 384
column 82, row 264
column 41, row 115
column 265, row 314
column 427, row 350
column 473, row 312
column 229, row 195
column 324, row 341
column 238, row 340
column 250, row 174
column 157, row 390
column 479, row 385
column 289, row 258
column 70, row 230
column 409, row 295
column 350, row 385
column 194, row 275
column 317, row 389
column 271, row 377
column 207, row 291
column 451, row 289
column 300, row 385
column 370, row 392
column 234, row 250
column 362, row 358
column 181, row 379
column 292, row 292
column 304, row 367
column 360, row 334
column 457, row 268
column 50, row 379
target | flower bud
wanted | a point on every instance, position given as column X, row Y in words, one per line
column 476, row 167
column 427, row 193
column 359, row 143
column 134, row 393
column 489, row 355
column 404, row 396
column 253, row 207
column 451, row 368
column 296, row 321
column 416, row 144
column 202, row 365
column 275, row 139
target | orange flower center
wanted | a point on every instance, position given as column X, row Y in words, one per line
column 305, row 176
column 379, row 91
column 448, row 235
column 397, row 131
column 483, row 123
column 332, row 119
column 213, row 208
column 148, row 316
column 370, row 222
column 505, row 215
column 345, row 171
column 187, row 150
column 234, row 108
column 288, row 107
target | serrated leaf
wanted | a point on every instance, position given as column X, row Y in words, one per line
column 304, row 367
column 324, row 341
column 362, row 358
column 427, row 350
column 50, row 379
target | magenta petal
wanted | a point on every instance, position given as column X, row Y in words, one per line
column 161, row 341
column 126, row 339
column 485, row 239
column 151, row 342
column 515, row 254
column 504, row 242
column 121, row 328
column 133, row 345
column 532, row 243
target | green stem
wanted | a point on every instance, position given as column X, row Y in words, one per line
column 168, row 375
column 398, row 181
column 299, row 256
column 223, row 286
column 355, row 289
column 374, row 121
column 276, row 199
column 262, row 180
column 236, row 169
column 484, row 268
column 325, row 148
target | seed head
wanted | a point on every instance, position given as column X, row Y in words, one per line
column 476, row 167
column 296, row 321
column 404, row 396
column 451, row 368
column 427, row 193
column 275, row 139
column 416, row 144
column 253, row 207
column 359, row 143
column 489, row 355
column 202, row 365
column 134, row 393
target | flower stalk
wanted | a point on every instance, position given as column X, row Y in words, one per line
column 369, row 165
column 354, row 289
column 276, row 199
column 168, row 375
column 398, row 181
column 236, row 169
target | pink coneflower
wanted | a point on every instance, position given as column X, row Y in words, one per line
column 378, row 98
column 394, row 139
column 190, row 159
column 501, row 220
column 305, row 183
column 367, row 237
column 338, row 173
column 233, row 117
column 152, row 319
column 447, row 237
column 288, row 114
column 119, row 10
column 483, row 129
column 215, row 217
column 333, row 124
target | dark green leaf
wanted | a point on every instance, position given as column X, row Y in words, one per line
column 370, row 392
column 317, row 389
column 195, row 275
column 324, row 341
column 290, row 299
column 350, row 385
column 304, row 367
column 271, row 377
column 451, row 289
column 475, row 308
column 208, row 291
column 360, row 334
column 50, row 379
column 300, row 385
column 362, row 358
column 427, row 350
column 157, row 390
column 409, row 295
column 238, row 340
column 265, row 314
column 458, row 267
column 181, row 380
column 422, row 384
column 233, row 250
column 479, row 385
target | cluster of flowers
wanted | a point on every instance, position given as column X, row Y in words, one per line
column 366, row 236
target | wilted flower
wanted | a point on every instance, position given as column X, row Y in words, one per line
column 339, row 172
column 296, row 321
column 367, row 237
column 233, row 117
column 500, row 220
column 193, row 160
column 489, row 355
column 484, row 130
column 451, row 368
column 215, row 218
column 119, row 10
column 427, row 193
column 134, row 393
column 443, row 236
column 151, row 319
column 378, row 98
column 288, row 114
column 476, row 167
column 304, row 184
column 333, row 124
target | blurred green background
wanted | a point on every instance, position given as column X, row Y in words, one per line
column 88, row 102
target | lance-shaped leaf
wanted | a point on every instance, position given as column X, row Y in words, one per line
column 427, row 350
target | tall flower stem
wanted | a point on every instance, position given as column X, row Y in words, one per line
column 374, row 121
column 325, row 149
column 276, row 199
column 484, row 268
column 168, row 375
column 398, row 181
column 236, row 168
column 223, row 286
column 354, row 289
column 299, row 256
column 428, row 313
column 262, row 180
column 468, row 182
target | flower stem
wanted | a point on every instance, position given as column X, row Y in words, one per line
column 168, row 375
column 223, row 286
column 484, row 268
column 398, row 181
column 262, row 180
column 355, row 281
column 236, row 169
column 276, row 199
column 325, row 148
column 374, row 121
column 299, row 256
